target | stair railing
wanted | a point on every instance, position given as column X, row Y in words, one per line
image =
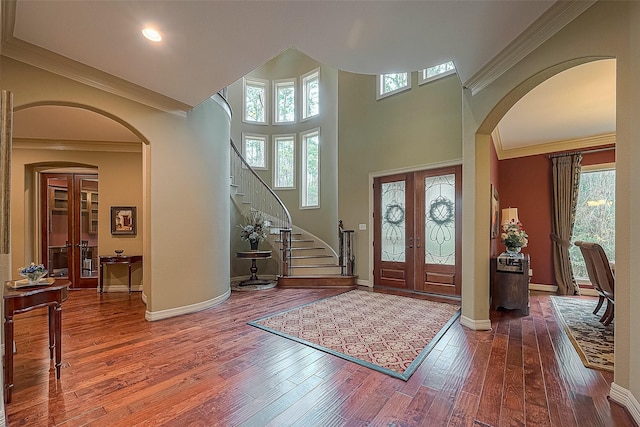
column 345, row 254
column 263, row 199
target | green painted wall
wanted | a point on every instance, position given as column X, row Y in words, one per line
column 414, row 129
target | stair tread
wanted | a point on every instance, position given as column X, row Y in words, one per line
column 306, row 248
column 314, row 266
column 310, row 256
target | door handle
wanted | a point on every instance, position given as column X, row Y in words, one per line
column 418, row 245
column 67, row 244
column 410, row 243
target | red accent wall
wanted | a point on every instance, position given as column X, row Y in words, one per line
column 525, row 183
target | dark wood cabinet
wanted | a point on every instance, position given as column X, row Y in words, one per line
column 510, row 284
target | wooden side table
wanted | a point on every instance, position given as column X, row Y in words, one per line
column 253, row 256
column 129, row 260
column 510, row 285
column 19, row 300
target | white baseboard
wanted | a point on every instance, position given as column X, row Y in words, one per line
column 361, row 282
column 152, row 316
column 120, row 288
column 544, row 288
column 476, row 325
column 624, row 397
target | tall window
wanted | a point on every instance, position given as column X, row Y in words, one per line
column 310, row 192
column 284, row 149
column 255, row 101
column 285, row 101
column 254, row 149
column 311, row 94
column 595, row 214
column 388, row 84
column 436, row 72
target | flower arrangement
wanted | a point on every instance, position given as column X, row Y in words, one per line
column 34, row 272
column 513, row 235
column 256, row 229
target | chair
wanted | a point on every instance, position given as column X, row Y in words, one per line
column 601, row 277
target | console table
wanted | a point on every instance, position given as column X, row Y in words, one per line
column 253, row 256
column 129, row 260
column 18, row 300
column 510, row 284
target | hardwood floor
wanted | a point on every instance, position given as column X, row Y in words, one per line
column 212, row 369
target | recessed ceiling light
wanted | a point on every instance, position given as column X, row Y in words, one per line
column 152, row 34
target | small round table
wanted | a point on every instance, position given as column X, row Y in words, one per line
column 253, row 256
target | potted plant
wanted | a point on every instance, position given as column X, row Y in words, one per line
column 514, row 237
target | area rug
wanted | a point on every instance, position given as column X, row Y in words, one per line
column 389, row 333
column 592, row 340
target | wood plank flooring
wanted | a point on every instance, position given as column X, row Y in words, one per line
column 212, row 369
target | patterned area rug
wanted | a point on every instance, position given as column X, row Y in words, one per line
column 388, row 333
column 592, row 340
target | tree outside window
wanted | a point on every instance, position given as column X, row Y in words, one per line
column 393, row 83
column 284, row 168
column 255, row 150
column 311, row 94
column 285, row 98
column 255, row 94
column 311, row 169
column 595, row 216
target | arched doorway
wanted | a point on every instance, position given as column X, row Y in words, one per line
column 65, row 151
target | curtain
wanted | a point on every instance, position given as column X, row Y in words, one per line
column 566, row 179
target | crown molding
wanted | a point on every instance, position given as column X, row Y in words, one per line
column 554, row 146
column 548, row 24
column 49, row 61
column 77, row 145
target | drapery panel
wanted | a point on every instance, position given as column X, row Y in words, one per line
column 566, row 181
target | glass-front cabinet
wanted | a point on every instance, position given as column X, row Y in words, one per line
column 70, row 227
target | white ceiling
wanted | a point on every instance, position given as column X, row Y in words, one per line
column 209, row 44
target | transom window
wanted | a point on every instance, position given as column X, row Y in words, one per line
column 284, row 149
column 436, row 72
column 285, row 101
column 254, row 149
column 310, row 191
column 595, row 215
column 311, row 94
column 255, row 101
column 389, row 84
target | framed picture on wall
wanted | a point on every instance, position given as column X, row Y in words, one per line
column 123, row 220
column 495, row 213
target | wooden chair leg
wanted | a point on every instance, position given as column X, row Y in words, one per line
column 607, row 318
column 600, row 301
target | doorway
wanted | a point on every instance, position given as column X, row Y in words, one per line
column 417, row 233
column 69, row 221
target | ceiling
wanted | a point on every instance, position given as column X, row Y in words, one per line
column 210, row 44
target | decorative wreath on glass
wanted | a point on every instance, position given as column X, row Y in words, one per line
column 255, row 230
column 514, row 237
column 33, row 273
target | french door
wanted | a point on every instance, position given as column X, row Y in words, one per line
column 69, row 221
column 417, row 233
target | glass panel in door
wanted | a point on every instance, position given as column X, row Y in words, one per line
column 88, row 227
column 57, row 226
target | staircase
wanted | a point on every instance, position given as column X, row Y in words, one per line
column 305, row 260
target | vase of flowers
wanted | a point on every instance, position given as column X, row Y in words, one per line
column 255, row 230
column 514, row 237
column 33, row 273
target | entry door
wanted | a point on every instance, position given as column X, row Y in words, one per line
column 417, row 235
column 69, row 222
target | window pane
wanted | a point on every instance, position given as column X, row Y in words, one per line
column 311, row 96
column 285, row 102
column 391, row 82
column 595, row 216
column 438, row 69
column 284, row 162
column 311, row 172
column 439, row 222
column 254, row 152
column 254, row 102
column 393, row 221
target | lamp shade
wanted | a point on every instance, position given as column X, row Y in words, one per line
column 510, row 215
